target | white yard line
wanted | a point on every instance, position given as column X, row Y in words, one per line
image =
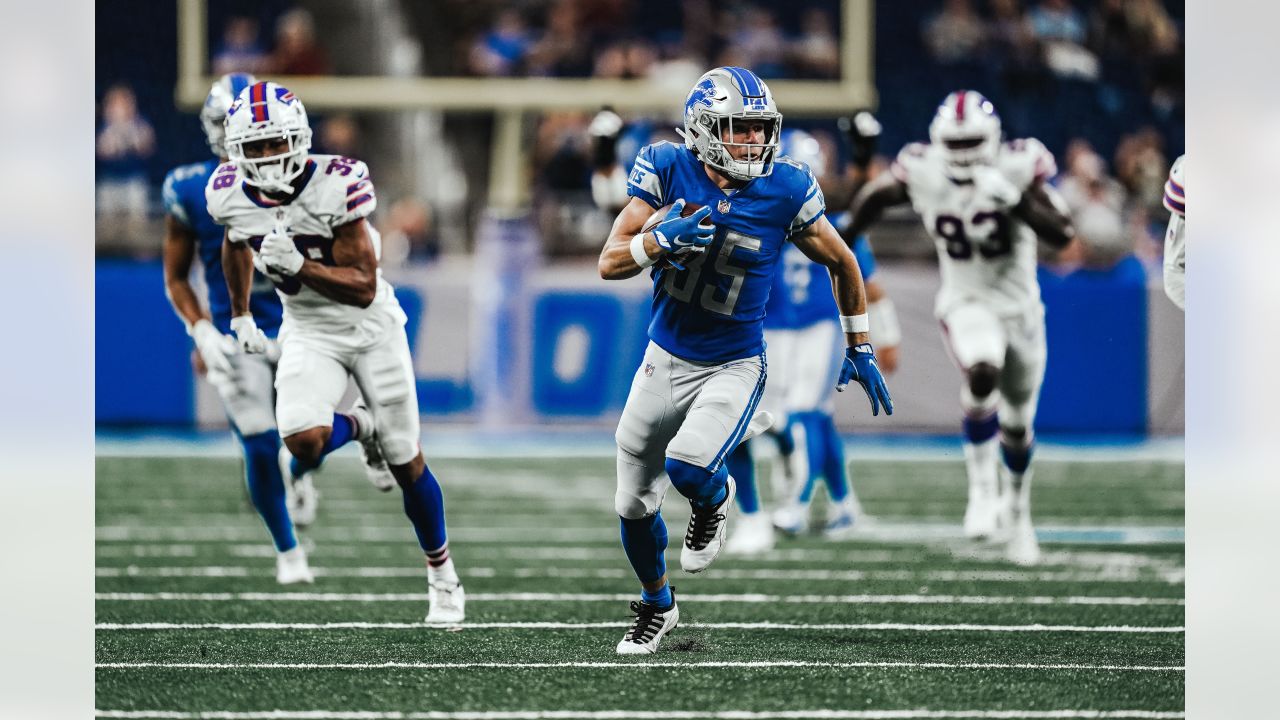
column 632, row 665
column 644, row 715
column 1110, row 575
column 913, row 627
column 903, row 532
column 623, row 597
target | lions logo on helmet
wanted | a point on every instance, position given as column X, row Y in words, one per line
column 967, row 129
column 720, row 99
column 266, row 111
column 214, row 113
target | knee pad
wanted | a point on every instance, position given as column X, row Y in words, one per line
column 628, row 505
column 983, row 379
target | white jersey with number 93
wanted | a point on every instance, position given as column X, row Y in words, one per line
column 985, row 254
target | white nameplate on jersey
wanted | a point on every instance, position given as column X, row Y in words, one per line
column 723, row 207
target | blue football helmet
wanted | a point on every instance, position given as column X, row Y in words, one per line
column 214, row 112
column 720, row 98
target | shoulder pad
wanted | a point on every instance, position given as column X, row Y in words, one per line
column 1026, row 162
column 1175, row 192
column 909, row 159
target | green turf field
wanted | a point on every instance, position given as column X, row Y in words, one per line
column 902, row 620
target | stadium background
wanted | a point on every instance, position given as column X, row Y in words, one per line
column 494, row 254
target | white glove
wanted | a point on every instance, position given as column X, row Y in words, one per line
column 251, row 338
column 278, row 252
column 992, row 183
column 213, row 346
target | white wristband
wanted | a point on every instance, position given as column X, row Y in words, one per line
column 855, row 323
column 638, row 254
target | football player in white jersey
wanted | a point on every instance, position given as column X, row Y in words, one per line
column 300, row 219
column 984, row 202
column 1175, row 237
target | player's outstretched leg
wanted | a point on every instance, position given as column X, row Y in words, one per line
column 1016, row 447
column 644, row 540
column 266, row 490
column 979, row 399
column 754, row 531
column 424, row 504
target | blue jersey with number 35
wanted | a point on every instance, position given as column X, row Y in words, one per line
column 713, row 310
column 184, row 199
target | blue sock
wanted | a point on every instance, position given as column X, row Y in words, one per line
column 978, row 430
column 424, row 504
column 814, row 449
column 344, row 429
column 645, row 540
column 833, row 468
column 266, row 486
column 698, row 484
column 662, row 597
column 743, row 470
column 1017, row 457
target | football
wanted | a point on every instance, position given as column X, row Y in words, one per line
column 660, row 213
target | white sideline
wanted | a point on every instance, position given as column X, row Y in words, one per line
column 623, row 597
column 989, row 575
column 644, row 715
column 748, row 664
column 918, row 627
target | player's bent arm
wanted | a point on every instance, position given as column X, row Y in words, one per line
column 179, row 252
column 617, row 262
column 353, row 279
column 821, row 243
column 1175, row 261
column 237, row 267
column 872, row 200
column 1045, row 212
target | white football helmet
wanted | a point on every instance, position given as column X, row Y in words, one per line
column 720, row 98
column 967, row 129
column 216, row 105
column 267, row 111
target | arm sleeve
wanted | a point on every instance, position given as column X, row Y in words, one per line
column 646, row 180
column 812, row 206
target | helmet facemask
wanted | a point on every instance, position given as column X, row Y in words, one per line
column 757, row 158
column 272, row 173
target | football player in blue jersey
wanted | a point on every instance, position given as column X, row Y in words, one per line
column 804, row 342
column 244, row 382
column 694, row 396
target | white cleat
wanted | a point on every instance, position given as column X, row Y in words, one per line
column 760, row 422
column 301, row 495
column 375, row 465
column 448, row 602
column 1023, row 548
column 292, row 568
column 707, row 527
column 982, row 517
column 791, row 519
column 753, row 535
column 650, row 625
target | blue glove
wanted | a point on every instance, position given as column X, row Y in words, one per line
column 860, row 365
column 680, row 235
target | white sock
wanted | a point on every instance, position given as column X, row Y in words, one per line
column 445, row 572
column 980, row 461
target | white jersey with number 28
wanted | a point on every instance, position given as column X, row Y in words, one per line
column 985, row 254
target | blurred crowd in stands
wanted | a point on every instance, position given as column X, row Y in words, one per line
column 1099, row 81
